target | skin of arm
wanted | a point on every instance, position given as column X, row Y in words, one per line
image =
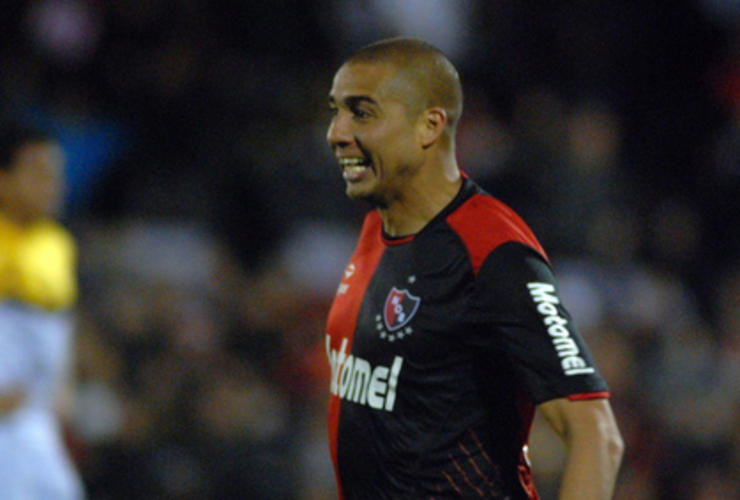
column 594, row 445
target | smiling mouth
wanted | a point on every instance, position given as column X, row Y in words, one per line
column 353, row 168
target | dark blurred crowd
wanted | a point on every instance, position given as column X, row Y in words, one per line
column 213, row 227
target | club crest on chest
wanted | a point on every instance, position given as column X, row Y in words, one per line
column 400, row 307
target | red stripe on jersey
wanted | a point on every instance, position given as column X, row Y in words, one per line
column 342, row 320
column 483, row 223
column 589, row 395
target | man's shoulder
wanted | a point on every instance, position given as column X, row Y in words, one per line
column 484, row 223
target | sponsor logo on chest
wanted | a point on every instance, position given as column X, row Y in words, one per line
column 355, row 379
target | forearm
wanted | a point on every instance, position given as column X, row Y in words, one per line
column 594, row 444
column 591, row 469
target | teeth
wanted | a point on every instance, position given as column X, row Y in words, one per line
column 354, row 169
column 354, row 163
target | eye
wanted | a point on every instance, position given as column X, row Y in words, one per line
column 360, row 113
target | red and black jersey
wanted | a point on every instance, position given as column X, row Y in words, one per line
column 441, row 344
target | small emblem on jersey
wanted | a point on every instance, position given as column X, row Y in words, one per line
column 400, row 307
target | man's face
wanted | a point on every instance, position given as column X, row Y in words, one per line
column 34, row 187
column 372, row 134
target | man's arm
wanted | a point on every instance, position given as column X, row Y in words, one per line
column 594, row 445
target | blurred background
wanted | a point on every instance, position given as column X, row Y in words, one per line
column 213, row 227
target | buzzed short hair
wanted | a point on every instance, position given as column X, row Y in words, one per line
column 433, row 79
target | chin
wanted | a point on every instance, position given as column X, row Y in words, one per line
column 356, row 192
column 370, row 197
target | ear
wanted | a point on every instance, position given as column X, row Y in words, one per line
column 433, row 122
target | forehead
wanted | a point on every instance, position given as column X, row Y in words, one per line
column 363, row 79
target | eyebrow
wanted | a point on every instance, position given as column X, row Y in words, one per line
column 352, row 101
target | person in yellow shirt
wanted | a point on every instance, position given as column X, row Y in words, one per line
column 38, row 291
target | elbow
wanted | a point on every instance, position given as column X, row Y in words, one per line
column 614, row 446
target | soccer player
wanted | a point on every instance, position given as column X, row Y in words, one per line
column 37, row 291
column 446, row 331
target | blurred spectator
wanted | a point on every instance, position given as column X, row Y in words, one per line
column 447, row 25
column 38, row 292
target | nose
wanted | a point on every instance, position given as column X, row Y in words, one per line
column 339, row 134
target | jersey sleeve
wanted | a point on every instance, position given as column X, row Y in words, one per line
column 47, row 267
column 38, row 265
column 516, row 313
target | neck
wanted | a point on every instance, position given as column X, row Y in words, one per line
column 421, row 203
